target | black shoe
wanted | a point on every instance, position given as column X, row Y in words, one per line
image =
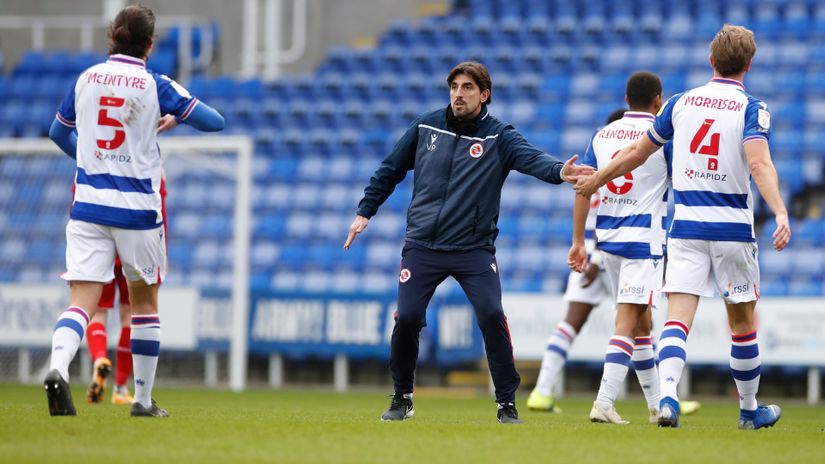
column 139, row 410
column 507, row 414
column 401, row 408
column 58, row 394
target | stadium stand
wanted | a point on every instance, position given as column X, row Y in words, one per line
column 558, row 67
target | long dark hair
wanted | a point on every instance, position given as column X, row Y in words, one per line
column 132, row 30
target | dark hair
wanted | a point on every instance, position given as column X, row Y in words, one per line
column 131, row 31
column 477, row 72
column 616, row 115
column 642, row 88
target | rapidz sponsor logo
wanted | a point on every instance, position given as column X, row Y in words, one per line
column 693, row 174
column 113, row 157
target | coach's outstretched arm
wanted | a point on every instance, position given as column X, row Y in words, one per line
column 520, row 155
column 64, row 137
column 392, row 171
column 764, row 175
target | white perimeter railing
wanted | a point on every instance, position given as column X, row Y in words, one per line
column 242, row 226
column 90, row 26
column 269, row 60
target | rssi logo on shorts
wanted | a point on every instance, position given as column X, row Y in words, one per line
column 148, row 272
column 737, row 289
column 628, row 289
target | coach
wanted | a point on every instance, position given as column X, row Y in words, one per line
column 461, row 156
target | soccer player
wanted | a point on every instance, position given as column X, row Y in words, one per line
column 116, row 107
column 630, row 235
column 461, row 156
column 584, row 292
column 720, row 142
column 97, row 339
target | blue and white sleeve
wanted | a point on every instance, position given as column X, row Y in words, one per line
column 667, row 150
column 757, row 121
column 589, row 158
column 662, row 130
column 66, row 113
column 174, row 99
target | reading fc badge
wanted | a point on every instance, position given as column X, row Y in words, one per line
column 476, row 150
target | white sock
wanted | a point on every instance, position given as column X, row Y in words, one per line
column 554, row 357
column 672, row 355
column 68, row 333
column 619, row 350
column 145, row 343
column 646, row 372
column 746, row 367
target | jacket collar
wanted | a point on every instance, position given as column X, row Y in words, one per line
column 465, row 127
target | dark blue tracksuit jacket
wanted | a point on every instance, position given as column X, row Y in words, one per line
column 459, row 173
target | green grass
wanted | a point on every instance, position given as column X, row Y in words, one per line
column 319, row 427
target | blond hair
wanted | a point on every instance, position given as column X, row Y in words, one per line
column 732, row 50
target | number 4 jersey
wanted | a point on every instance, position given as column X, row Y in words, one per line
column 115, row 107
column 711, row 180
column 632, row 207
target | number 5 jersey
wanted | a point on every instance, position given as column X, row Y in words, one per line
column 116, row 107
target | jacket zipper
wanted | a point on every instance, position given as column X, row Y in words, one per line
column 447, row 187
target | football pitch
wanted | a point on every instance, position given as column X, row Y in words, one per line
column 299, row 426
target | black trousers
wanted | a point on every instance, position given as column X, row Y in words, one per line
column 422, row 270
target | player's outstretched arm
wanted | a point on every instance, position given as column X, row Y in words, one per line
column 358, row 225
column 631, row 157
column 64, row 137
column 577, row 257
column 204, row 118
column 767, row 181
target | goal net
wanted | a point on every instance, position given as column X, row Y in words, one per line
column 205, row 299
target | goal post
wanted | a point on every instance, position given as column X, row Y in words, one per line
column 241, row 172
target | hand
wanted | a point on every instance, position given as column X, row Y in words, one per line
column 166, row 123
column 587, row 185
column 358, row 225
column 577, row 257
column 782, row 234
column 589, row 275
column 572, row 171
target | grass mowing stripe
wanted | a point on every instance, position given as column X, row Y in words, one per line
column 317, row 427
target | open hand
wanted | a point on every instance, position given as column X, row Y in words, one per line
column 586, row 185
column 591, row 271
column 782, row 234
column 572, row 172
column 166, row 123
column 577, row 257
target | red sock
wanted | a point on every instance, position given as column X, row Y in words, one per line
column 124, row 357
column 96, row 337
